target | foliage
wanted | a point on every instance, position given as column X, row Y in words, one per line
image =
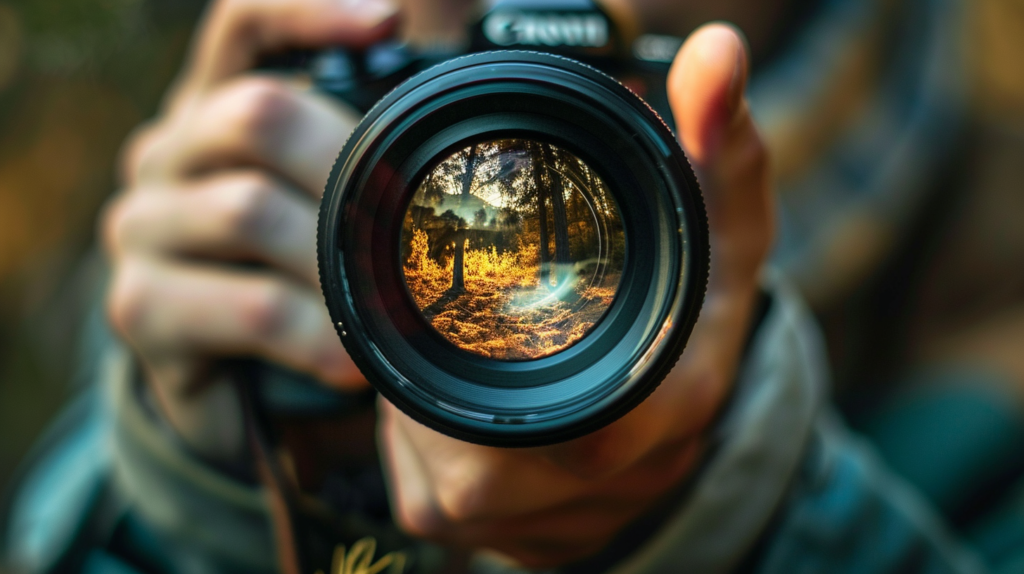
column 510, row 248
column 505, row 312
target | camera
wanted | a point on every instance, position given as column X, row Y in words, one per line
column 512, row 245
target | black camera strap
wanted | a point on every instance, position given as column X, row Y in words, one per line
column 281, row 495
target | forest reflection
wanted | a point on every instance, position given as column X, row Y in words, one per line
column 513, row 249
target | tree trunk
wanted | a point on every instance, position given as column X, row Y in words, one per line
column 430, row 191
column 458, row 266
column 537, row 160
column 561, row 222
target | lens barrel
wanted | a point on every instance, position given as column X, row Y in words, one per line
column 513, row 248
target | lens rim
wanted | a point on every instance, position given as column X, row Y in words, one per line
column 524, row 95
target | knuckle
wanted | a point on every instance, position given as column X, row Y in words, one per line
column 127, row 300
column 417, row 518
column 259, row 108
column 460, row 500
column 137, row 155
column 113, row 220
column 246, row 208
column 265, row 309
column 117, row 219
column 458, row 504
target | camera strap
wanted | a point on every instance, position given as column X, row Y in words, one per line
column 281, row 497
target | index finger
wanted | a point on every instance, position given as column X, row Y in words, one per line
column 235, row 33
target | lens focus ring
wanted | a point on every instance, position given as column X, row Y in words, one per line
column 516, row 246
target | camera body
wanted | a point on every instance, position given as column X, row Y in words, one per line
column 578, row 29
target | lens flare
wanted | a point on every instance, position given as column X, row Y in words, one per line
column 512, row 249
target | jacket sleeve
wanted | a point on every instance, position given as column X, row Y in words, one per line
column 789, row 489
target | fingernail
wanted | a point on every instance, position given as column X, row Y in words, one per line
column 738, row 80
column 370, row 12
column 721, row 50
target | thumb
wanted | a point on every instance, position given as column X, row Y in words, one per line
column 705, row 88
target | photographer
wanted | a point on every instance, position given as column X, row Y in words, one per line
column 734, row 462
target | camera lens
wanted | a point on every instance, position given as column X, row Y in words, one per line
column 512, row 249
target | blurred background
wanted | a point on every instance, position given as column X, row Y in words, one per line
column 77, row 75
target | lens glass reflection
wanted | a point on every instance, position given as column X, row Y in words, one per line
column 512, row 249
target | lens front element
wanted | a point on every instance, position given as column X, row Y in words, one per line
column 512, row 249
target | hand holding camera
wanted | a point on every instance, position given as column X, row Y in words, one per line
column 229, row 175
column 550, row 505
